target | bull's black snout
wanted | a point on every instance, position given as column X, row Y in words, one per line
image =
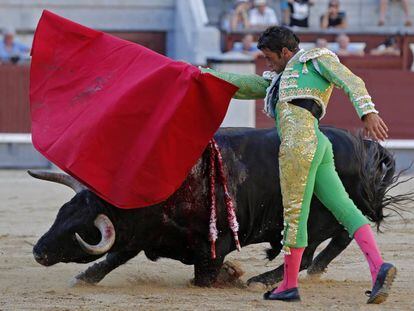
column 40, row 256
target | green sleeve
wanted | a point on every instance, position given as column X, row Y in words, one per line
column 332, row 70
column 250, row 86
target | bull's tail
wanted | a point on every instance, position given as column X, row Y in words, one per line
column 378, row 178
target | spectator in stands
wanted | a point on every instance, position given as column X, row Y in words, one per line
column 239, row 17
column 247, row 46
column 299, row 12
column 11, row 51
column 388, row 47
column 284, row 8
column 383, row 10
column 262, row 16
column 321, row 43
column 345, row 48
column 333, row 18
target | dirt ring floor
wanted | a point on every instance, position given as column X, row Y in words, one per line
column 28, row 208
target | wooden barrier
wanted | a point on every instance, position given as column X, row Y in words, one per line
column 392, row 91
column 14, row 99
column 372, row 40
column 14, row 83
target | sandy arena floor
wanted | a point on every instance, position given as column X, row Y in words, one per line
column 28, row 208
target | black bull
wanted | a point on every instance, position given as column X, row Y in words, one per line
column 178, row 228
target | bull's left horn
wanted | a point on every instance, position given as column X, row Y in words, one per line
column 105, row 226
column 59, row 178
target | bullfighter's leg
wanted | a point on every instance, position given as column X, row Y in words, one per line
column 338, row 243
column 302, row 152
column 299, row 155
column 98, row 271
column 331, row 192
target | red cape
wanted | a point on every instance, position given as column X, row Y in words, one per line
column 127, row 122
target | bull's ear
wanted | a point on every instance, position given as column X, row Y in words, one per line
column 59, row 178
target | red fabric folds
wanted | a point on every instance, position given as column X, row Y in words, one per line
column 127, row 122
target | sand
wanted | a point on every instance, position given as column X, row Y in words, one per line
column 28, row 208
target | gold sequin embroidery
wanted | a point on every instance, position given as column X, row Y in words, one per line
column 315, row 53
column 353, row 85
column 297, row 149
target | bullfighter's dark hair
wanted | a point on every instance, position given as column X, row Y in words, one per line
column 275, row 38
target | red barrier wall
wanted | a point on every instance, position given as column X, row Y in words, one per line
column 14, row 99
column 14, row 84
column 372, row 40
column 392, row 91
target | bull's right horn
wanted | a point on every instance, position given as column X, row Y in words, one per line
column 105, row 226
column 59, row 178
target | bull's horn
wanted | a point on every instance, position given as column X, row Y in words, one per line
column 59, row 178
column 105, row 226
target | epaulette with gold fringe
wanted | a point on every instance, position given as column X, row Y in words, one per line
column 315, row 53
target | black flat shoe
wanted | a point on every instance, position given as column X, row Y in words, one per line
column 287, row 295
column 382, row 285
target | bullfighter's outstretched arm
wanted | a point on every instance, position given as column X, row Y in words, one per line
column 332, row 70
column 251, row 86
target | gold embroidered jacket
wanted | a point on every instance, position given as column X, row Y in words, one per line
column 309, row 74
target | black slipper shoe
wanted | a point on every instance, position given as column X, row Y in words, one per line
column 382, row 285
column 287, row 295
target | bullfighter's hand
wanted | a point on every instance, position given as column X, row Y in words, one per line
column 375, row 127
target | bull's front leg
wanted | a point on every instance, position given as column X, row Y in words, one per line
column 338, row 243
column 206, row 269
column 98, row 271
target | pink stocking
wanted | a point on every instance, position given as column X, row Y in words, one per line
column 366, row 242
column 291, row 270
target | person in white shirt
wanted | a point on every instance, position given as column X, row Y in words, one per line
column 262, row 15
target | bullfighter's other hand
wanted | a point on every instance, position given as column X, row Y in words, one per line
column 375, row 127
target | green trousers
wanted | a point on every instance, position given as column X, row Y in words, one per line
column 307, row 167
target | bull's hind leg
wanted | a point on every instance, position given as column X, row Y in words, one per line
column 98, row 271
column 276, row 275
column 338, row 243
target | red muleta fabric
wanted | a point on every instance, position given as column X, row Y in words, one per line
column 125, row 121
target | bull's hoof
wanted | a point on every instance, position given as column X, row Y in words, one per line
column 257, row 286
column 229, row 275
column 80, row 280
column 268, row 279
column 231, row 270
column 315, row 270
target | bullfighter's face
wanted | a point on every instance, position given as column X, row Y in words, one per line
column 277, row 61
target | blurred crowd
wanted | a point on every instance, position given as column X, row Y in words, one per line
column 12, row 51
column 256, row 15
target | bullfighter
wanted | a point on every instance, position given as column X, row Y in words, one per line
column 297, row 92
